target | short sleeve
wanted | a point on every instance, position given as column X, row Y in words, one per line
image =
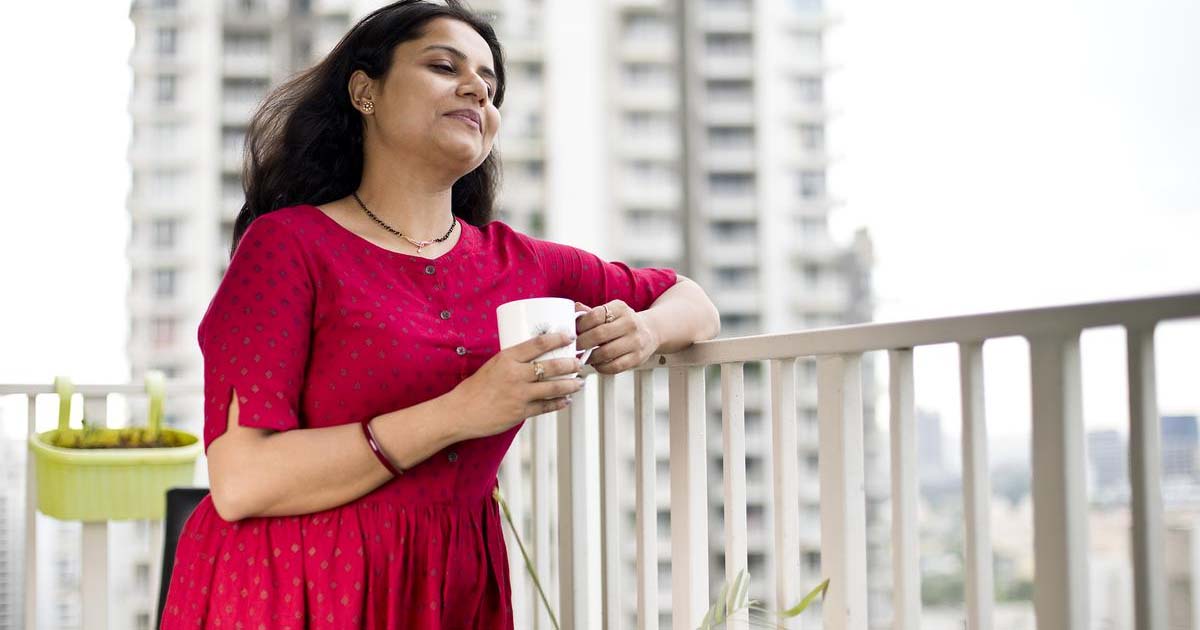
column 255, row 334
column 582, row 276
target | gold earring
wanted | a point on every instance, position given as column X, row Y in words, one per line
column 368, row 106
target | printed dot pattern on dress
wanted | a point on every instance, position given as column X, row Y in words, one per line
column 314, row 326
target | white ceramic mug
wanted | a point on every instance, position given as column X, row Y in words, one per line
column 521, row 320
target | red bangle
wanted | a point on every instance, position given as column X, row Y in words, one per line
column 383, row 459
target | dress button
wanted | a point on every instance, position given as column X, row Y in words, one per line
column 429, row 269
column 445, row 314
column 452, row 456
column 460, row 350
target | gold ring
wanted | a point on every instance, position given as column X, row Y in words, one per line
column 608, row 317
column 539, row 372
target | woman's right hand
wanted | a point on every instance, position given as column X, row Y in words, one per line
column 503, row 391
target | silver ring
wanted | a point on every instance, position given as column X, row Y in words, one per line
column 539, row 372
column 608, row 317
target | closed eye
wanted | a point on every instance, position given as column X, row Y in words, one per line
column 450, row 70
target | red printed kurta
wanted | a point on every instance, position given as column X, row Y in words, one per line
column 315, row 327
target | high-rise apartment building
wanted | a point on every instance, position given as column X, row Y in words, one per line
column 690, row 134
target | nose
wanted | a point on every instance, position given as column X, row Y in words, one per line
column 476, row 88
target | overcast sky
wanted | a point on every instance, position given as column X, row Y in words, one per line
column 1003, row 155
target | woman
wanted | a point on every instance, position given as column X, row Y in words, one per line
column 357, row 405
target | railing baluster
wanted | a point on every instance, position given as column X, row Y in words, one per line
column 689, row 498
column 645, row 465
column 511, row 483
column 733, row 422
column 574, row 587
column 29, row 550
column 906, row 568
column 543, row 445
column 610, row 508
column 1145, row 457
column 786, row 487
column 94, row 578
column 1060, row 534
column 977, row 489
column 843, row 500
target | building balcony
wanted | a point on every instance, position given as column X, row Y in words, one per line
column 253, row 65
column 579, row 449
column 727, row 20
column 647, row 49
column 740, row 112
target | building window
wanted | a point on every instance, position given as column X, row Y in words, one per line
column 728, row 44
column 812, row 137
column 809, row 44
column 165, row 135
column 242, row 43
column 164, row 233
column 531, row 71
column 734, row 230
column 812, row 274
column 164, row 91
column 811, row 227
column 141, row 575
column 729, row 91
column 730, row 184
column 166, row 40
column 731, row 137
column 164, row 185
column 646, row 74
column 162, row 330
column 162, row 282
column 812, row 184
column 641, row 124
column 809, row 89
column 242, row 91
column 231, row 142
column 645, row 27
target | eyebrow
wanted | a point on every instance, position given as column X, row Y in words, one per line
column 458, row 54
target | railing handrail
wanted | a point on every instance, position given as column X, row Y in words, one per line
column 173, row 388
column 1132, row 312
column 1143, row 311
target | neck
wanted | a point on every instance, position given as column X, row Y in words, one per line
column 409, row 198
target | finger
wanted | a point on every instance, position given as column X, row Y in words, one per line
column 612, row 349
column 620, row 364
column 599, row 333
column 580, row 306
column 535, row 347
column 590, row 320
column 540, row 407
column 547, row 390
column 552, row 368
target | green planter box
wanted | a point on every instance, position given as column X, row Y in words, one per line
column 111, row 484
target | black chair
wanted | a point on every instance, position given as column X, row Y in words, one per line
column 180, row 503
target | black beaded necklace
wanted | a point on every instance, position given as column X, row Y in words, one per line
column 419, row 244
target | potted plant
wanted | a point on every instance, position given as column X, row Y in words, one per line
column 101, row 474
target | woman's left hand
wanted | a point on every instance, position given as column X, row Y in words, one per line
column 626, row 341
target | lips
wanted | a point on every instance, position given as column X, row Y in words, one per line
column 467, row 116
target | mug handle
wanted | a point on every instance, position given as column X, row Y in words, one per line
column 587, row 352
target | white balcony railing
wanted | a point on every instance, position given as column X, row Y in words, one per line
column 587, row 509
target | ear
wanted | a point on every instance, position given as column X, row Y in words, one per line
column 362, row 89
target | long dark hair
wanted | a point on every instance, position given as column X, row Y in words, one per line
column 305, row 142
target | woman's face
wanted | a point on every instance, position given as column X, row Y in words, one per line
column 436, row 99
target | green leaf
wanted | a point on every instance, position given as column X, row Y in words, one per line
column 795, row 611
